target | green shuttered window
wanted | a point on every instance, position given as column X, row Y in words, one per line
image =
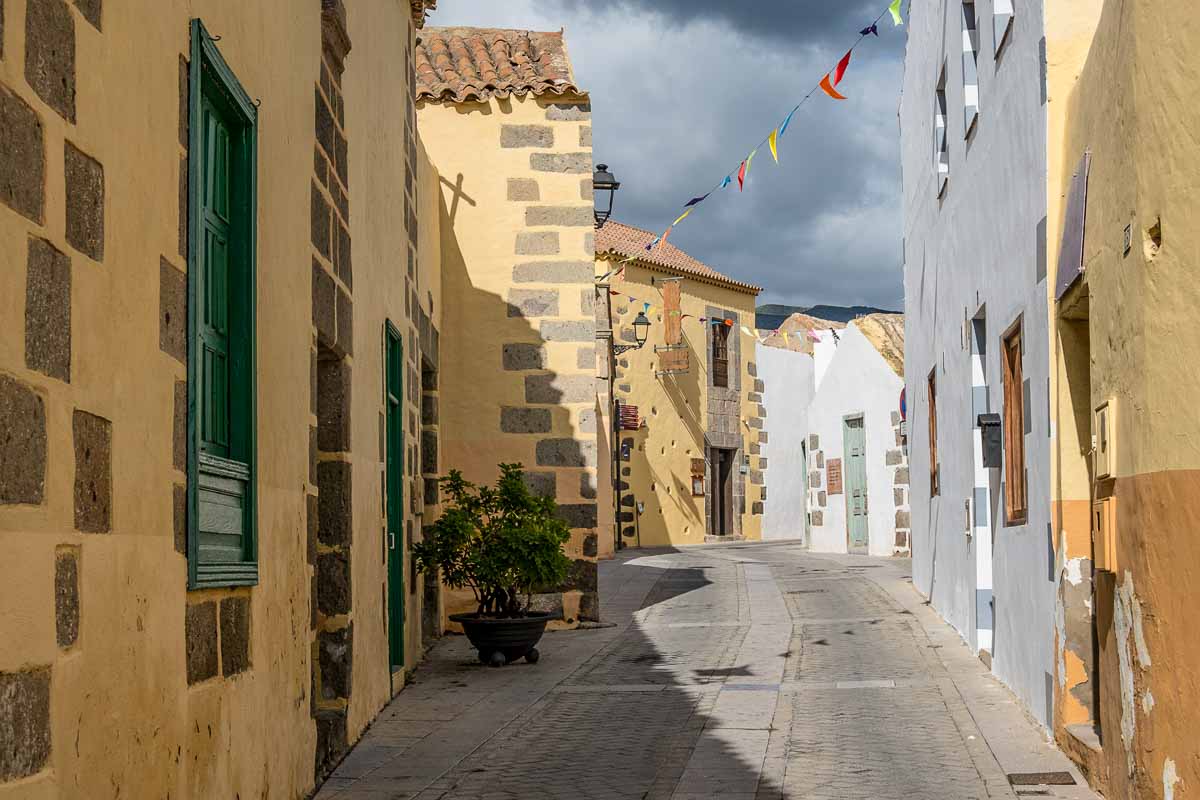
column 222, row 206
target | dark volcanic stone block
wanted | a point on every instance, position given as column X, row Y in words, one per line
column 48, row 311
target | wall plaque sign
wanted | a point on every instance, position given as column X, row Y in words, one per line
column 833, row 475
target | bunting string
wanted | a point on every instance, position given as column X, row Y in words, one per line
column 827, row 84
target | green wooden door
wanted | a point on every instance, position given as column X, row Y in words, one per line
column 855, row 470
column 393, row 381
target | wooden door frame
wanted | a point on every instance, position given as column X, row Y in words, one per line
column 850, row 548
column 393, row 541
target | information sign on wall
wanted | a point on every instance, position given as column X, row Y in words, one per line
column 833, row 475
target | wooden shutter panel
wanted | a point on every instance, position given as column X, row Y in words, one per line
column 672, row 360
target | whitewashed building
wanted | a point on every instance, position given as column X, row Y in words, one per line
column 837, row 475
column 973, row 123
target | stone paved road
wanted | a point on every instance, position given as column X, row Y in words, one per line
column 734, row 671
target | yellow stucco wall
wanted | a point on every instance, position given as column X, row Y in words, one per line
column 675, row 409
column 1131, row 106
column 518, row 364
column 124, row 721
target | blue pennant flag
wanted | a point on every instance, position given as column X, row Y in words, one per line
column 869, row 30
column 728, row 180
column 783, row 128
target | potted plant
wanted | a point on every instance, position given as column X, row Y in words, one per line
column 505, row 544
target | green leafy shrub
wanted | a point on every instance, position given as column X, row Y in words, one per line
column 504, row 542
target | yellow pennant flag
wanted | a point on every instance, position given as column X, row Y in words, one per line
column 774, row 141
column 785, row 339
column 895, row 9
column 750, row 160
column 682, row 217
column 746, row 331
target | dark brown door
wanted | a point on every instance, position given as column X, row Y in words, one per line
column 721, row 507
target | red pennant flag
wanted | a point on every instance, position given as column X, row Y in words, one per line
column 829, row 90
column 840, row 70
column 665, row 235
column 742, row 176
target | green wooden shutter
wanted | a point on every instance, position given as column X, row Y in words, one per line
column 222, row 159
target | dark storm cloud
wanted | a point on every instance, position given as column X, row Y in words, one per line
column 801, row 21
column 683, row 89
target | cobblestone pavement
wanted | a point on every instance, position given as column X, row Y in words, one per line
column 733, row 671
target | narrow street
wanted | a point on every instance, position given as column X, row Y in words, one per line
column 732, row 671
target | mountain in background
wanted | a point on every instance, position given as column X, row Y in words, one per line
column 771, row 316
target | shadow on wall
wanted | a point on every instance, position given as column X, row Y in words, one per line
column 501, row 401
column 658, row 737
column 683, row 392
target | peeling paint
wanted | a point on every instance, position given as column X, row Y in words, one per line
column 1127, row 620
column 1074, row 571
column 1170, row 780
column 1147, row 702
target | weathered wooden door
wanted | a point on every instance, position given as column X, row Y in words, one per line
column 393, row 378
column 855, row 443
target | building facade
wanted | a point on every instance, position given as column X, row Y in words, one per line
column 1126, row 453
column 838, row 473
column 219, row 338
column 688, row 463
column 513, row 150
column 973, row 120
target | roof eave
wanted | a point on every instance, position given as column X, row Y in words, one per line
column 727, row 283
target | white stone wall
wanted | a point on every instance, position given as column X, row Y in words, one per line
column 856, row 382
column 979, row 249
column 788, row 377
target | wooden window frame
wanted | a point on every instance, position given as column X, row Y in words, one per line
column 210, row 76
column 1016, row 489
column 934, row 467
column 720, row 355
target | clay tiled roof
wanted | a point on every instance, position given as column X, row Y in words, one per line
column 623, row 241
column 462, row 65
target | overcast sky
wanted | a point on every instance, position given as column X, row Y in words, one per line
column 683, row 89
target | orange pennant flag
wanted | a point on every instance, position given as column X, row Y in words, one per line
column 827, row 87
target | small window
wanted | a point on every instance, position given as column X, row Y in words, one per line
column 222, row 207
column 720, row 354
column 1015, row 500
column 934, row 467
column 970, row 66
column 1002, row 22
column 941, row 144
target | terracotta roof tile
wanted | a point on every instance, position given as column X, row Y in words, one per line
column 462, row 65
column 623, row 241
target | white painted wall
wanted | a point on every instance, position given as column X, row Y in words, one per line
column 857, row 382
column 788, row 377
column 979, row 249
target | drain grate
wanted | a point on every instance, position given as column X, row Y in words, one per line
column 1041, row 779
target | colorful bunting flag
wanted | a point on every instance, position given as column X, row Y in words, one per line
column 826, row 84
column 785, row 339
column 747, row 331
column 840, row 70
column 645, row 308
column 783, row 128
column 829, row 90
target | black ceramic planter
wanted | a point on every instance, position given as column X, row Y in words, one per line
column 502, row 641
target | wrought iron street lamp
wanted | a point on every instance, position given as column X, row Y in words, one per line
column 641, row 331
column 605, row 186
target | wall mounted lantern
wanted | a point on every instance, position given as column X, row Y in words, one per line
column 641, row 331
column 605, row 186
